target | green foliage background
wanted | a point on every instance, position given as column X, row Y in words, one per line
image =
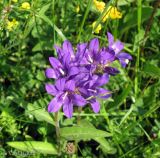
column 128, row 125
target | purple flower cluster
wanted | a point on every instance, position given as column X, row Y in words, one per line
column 79, row 76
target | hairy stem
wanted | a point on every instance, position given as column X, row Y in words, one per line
column 78, row 123
column 139, row 13
column 57, row 131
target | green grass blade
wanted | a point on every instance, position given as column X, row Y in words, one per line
column 84, row 19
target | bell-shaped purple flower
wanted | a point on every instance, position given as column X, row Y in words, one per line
column 66, row 95
column 60, row 69
column 99, row 60
column 118, row 46
column 91, row 90
column 65, row 65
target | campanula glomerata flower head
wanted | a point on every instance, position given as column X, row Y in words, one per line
column 79, row 75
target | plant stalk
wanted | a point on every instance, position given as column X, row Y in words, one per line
column 139, row 20
column 57, row 132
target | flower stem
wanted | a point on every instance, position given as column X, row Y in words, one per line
column 139, row 20
column 57, row 132
column 78, row 123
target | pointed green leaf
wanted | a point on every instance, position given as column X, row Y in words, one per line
column 104, row 144
column 44, row 9
column 29, row 27
column 77, row 132
column 34, row 147
column 40, row 114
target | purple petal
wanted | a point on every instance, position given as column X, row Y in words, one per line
column 93, row 81
column 95, row 106
column 50, row 73
column 68, row 108
column 123, row 62
column 60, row 83
column 110, row 38
column 104, row 93
column 102, row 80
column 51, row 89
column 73, row 71
column 55, row 62
column 94, row 45
column 83, row 91
column 89, row 56
column 117, row 46
column 107, row 55
column 111, row 71
column 54, row 105
column 124, row 55
column 124, row 58
column 70, row 85
column 68, row 49
column 59, row 51
column 78, row 100
column 66, row 60
column 80, row 50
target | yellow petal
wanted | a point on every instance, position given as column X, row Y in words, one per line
column 25, row 5
column 11, row 25
column 113, row 13
column 99, row 5
column 98, row 28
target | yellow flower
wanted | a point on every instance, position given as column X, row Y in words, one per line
column 113, row 13
column 15, row 1
column 99, row 5
column 98, row 28
column 77, row 9
column 12, row 24
column 25, row 5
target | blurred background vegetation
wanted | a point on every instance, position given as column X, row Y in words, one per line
column 28, row 31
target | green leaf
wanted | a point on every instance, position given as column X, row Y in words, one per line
column 40, row 114
column 34, row 147
column 29, row 27
column 104, row 144
column 79, row 133
column 152, row 70
column 44, row 9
